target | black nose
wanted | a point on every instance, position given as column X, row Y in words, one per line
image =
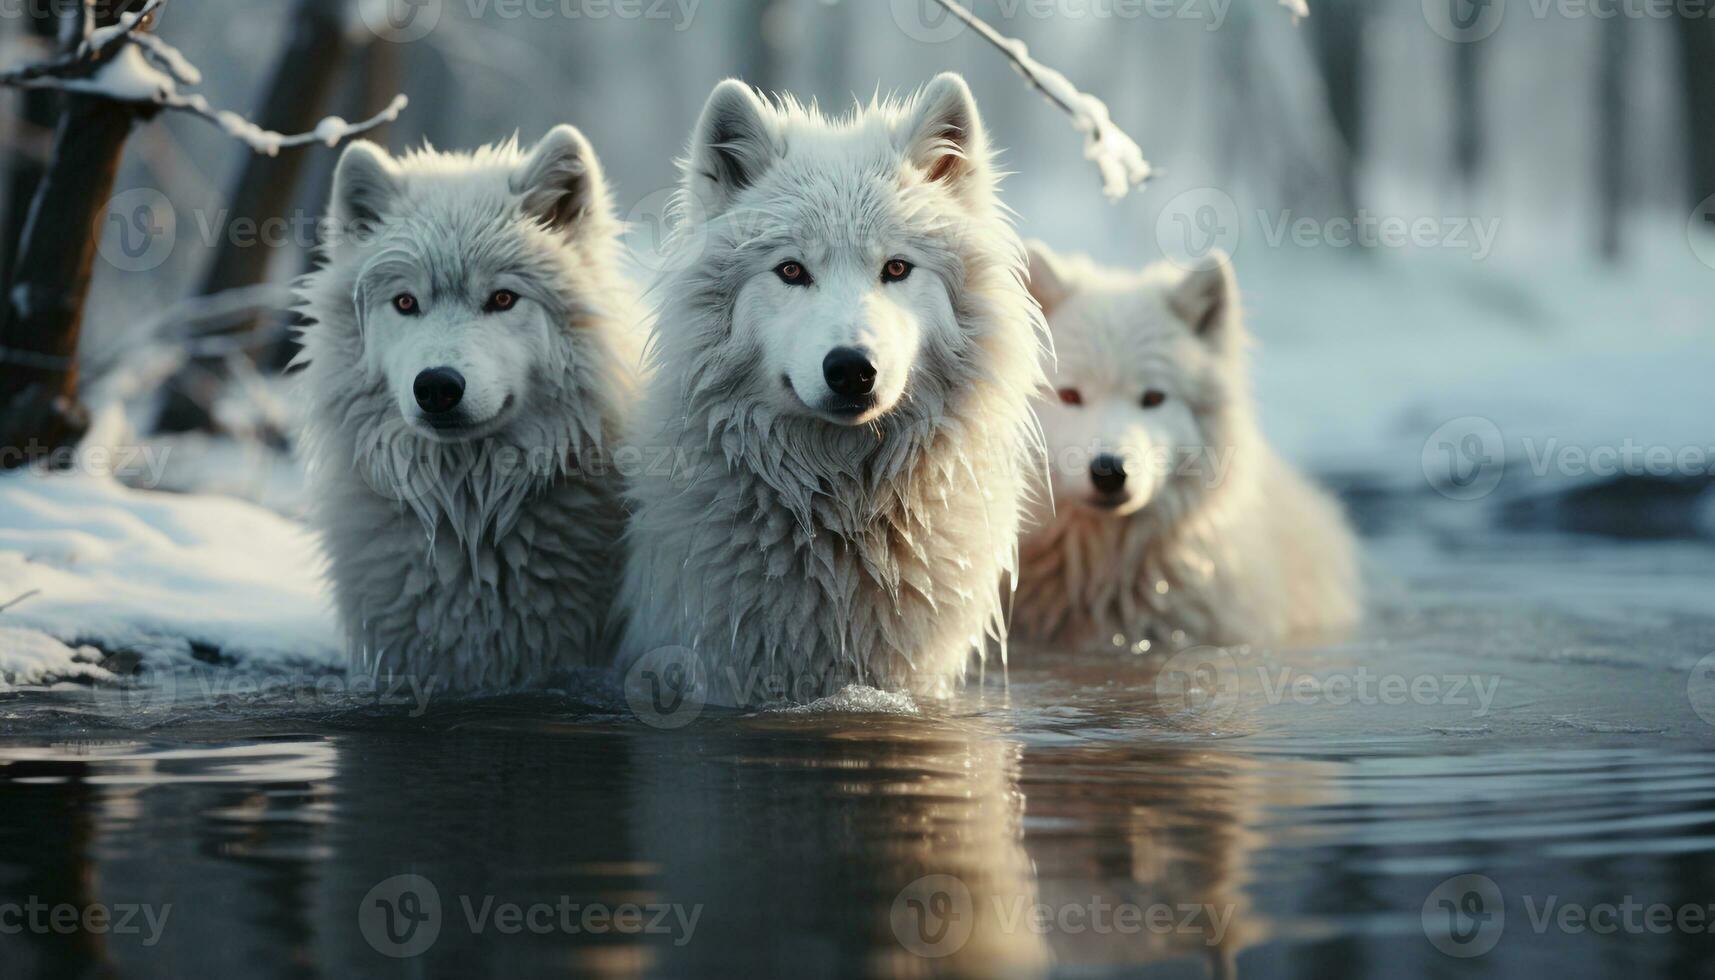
column 438, row 390
column 849, row 372
column 1107, row 473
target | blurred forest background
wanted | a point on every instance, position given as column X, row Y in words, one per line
column 1588, row 141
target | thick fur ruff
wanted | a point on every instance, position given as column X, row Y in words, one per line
column 490, row 562
column 1236, row 548
column 793, row 555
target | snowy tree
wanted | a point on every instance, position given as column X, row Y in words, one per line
column 115, row 72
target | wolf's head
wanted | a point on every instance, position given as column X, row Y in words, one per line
column 1150, row 386
column 833, row 258
column 469, row 277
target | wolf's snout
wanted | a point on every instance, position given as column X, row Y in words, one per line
column 849, row 372
column 438, row 390
column 1107, row 473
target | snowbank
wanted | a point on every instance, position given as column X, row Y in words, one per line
column 165, row 578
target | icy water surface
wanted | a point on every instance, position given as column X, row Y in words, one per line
column 1532, row 709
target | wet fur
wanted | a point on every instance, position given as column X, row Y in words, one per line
column 1259, row 555
column 453, row 562
column 795, row 556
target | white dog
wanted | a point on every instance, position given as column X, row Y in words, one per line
column 1174, row 522
column 844, row 362
column 467, row 371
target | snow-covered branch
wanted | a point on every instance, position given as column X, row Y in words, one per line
column 1114, row 153
column 125, row 63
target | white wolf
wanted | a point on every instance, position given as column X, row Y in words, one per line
column 468, row 370
column 844, row 361
column 1175, row 523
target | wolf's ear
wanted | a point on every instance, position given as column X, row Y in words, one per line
column 561, row 180
column 943, row 134
column 733, row 145
column 364, row 185
column 1207, row 299
column 1048, row 281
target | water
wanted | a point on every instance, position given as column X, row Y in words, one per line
column 1256, row 813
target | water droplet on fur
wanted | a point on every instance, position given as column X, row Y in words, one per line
column 1141, row 646
column 1178, row 636
column 1161, row 587
column 1119, row 639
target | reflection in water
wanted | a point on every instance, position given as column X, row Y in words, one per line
column 1077, row 835
column 831, row 845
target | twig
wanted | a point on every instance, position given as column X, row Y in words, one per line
column 29, row 594
column 124, row 63
column 1115, row 153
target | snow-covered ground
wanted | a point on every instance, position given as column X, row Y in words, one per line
column 151, row 576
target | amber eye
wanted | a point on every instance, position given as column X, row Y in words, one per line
column 1153, row 398
column 895, row 271
column 1071, row 396
column 502, row 301
column 406, row 304
column 792, row 274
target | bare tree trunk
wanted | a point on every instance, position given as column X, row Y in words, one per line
column 756, row 53
column 25, row 162
column 299, row 92
column 1467, row 114
column 1611, row 136
column 1338, row 37
column 1697, row 85
column 43, row 311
